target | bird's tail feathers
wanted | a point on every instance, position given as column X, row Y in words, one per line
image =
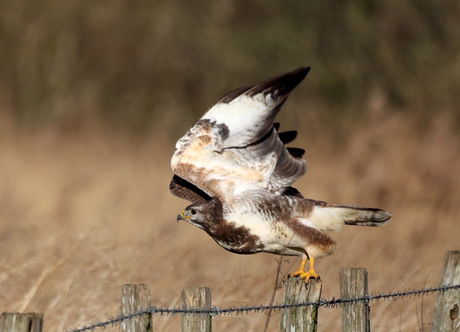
column 362, row 216
column 331, row 217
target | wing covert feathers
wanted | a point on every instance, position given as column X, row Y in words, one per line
column 237, row 140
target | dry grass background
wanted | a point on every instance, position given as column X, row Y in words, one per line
column 83, row 214
column 94, row 95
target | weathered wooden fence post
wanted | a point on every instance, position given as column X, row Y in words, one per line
column 304, row 318
column 196, row 298
column 135, row 298
column 16, row 322
column 353, row 284
column 446, row 314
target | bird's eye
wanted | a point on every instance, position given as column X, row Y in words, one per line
column 193, row 211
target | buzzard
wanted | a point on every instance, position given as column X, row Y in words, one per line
column 235, row 168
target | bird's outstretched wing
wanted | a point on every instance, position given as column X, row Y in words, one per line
column 184, row 189
column 236, row 147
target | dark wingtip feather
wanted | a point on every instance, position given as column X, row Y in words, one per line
column 287, row 136
column 186, row 190
column 291, row 191
column 278, row 86
column 235, row 93
column 296, row 152
column 281, row 85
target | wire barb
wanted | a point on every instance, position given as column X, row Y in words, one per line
column 216, row 311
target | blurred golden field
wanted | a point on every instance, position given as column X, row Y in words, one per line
column 93, row 97
column 82, row 215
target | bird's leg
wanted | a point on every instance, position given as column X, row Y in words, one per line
column 301, row 271
column 311, row 273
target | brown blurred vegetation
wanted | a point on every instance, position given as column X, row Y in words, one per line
column 128, row 63
column 93, row 96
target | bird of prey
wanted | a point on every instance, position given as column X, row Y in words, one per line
column 235, row 168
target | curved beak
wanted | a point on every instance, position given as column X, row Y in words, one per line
column 182, row 216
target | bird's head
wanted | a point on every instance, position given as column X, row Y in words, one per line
column 204, row 215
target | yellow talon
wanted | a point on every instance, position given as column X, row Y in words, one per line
column 301, row 271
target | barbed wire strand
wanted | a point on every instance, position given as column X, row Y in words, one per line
column 216, row 311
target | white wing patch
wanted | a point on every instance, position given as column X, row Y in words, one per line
column 242, row 116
